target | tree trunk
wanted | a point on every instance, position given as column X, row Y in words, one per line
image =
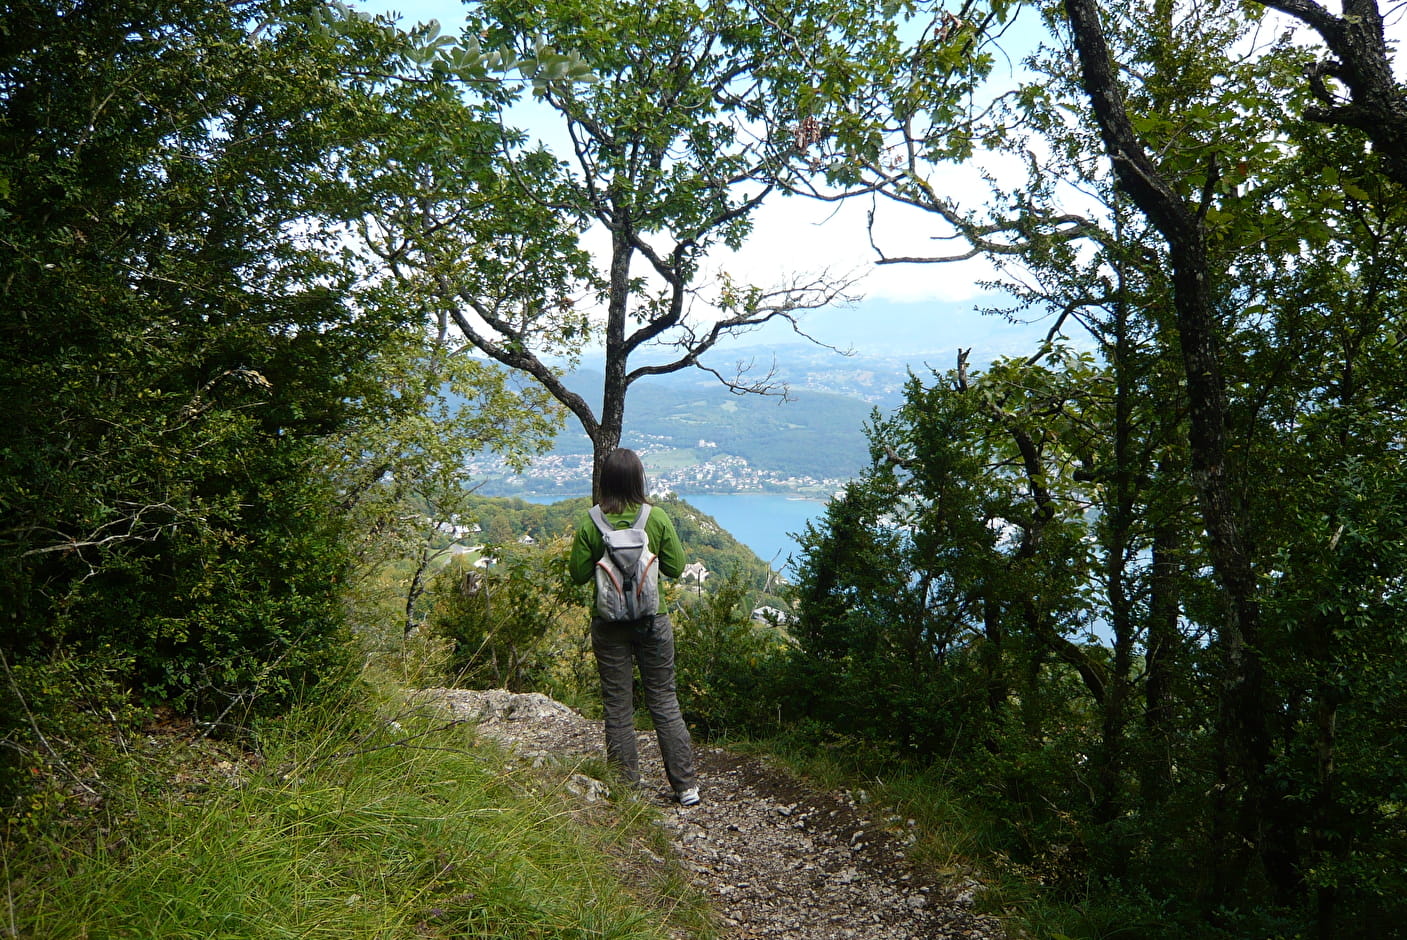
column 1377, row 105
column 414, row 590
column 605, row 440
column 1258, row 821
column 1110, row 773
column 1332, row 827
column 608, row 432
column 993, row 666
column 1161, row 658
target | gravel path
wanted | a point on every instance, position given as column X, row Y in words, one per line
column 779, row 859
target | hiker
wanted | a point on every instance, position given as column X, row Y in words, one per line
column 648, row 638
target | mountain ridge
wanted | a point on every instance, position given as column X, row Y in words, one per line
column 697, row 435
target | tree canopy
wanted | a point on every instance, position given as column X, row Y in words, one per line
column 195, row 359
column 665, row 156
column 1192, row 208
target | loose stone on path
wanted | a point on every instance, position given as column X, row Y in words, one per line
column 779, row 859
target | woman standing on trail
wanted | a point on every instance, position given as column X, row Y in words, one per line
column 620, row 645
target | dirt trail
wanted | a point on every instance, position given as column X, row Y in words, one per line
column 779, row 859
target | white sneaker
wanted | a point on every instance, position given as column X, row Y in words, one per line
column 689, row 797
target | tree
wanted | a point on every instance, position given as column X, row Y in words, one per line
column 945, row 591
column 181, row 343
column 1180, row 221
column 1205, row 181
column 399, row 465
column 1377, row 103
column 662, row 161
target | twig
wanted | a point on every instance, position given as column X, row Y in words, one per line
column 38, row 733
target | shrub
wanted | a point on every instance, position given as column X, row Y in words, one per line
column 517, row 623
column 728, row 666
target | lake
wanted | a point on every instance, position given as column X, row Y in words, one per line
column 764, row 522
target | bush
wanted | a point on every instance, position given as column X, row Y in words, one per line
column 175, row 363
column 61, row 726
column 728, row 666
column 518, row 623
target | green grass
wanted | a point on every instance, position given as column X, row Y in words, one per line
column 674, row 459
column 352, row 828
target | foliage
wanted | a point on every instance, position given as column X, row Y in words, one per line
column 175, row 358
column 64, row 718
column 517, row 624
column 504, row 520
column 1228, row 265
column 939, row 564
column 662, row 156
column 917, row 626
column 728, row 665
column 399, row 470
column 238, row 239
column 215, row 399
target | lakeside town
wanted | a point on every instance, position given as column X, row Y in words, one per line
column 567, row 475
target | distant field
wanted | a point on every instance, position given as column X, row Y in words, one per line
column 675, row 459
column 814, row 434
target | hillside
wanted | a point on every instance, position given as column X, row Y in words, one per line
column 704, row 540
column 697, row 436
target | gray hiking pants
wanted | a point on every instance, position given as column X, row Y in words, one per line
column 619, row 647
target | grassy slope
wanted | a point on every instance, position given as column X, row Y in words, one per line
column 343, row 826
column 383, row 822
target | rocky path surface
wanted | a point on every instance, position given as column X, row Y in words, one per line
column 779, row 859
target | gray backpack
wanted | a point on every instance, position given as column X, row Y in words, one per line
column 627, row 576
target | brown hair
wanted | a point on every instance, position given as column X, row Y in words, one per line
column 622, row 480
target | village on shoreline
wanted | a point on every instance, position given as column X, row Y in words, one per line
column 565, row 475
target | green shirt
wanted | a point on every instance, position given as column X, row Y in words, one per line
column 588, row 546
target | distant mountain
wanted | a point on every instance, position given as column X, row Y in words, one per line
column 877, row 380
column 811, row 433
column 917, row 332
column 697, row 436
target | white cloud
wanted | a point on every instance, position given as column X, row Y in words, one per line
column 795, row 235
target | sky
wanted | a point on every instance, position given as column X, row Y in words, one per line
column 907, row 309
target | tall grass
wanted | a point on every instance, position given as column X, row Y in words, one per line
column 349, row 826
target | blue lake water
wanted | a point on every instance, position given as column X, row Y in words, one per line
column 764, row 522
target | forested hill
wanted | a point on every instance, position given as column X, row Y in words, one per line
column 505, row 520
column 810, row 432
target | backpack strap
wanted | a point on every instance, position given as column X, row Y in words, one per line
column 598, row 517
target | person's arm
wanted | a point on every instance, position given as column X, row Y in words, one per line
column 587, row 547
column 669, row 549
